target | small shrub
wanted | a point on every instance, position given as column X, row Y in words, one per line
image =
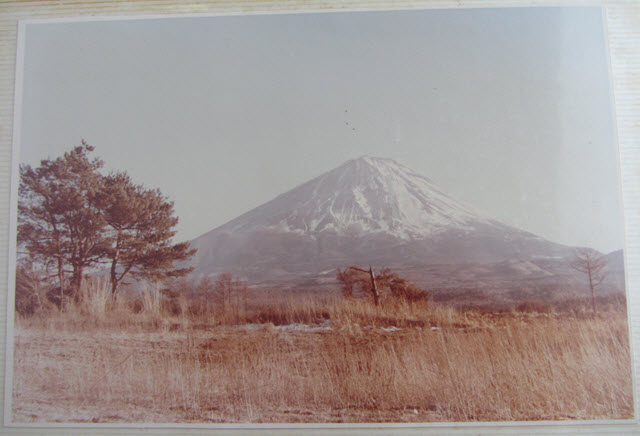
column 29, row 292
column 197, row 308
column 171, row 307
column 136, row 305
column 533, row 307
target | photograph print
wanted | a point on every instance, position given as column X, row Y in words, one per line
column 345, row 217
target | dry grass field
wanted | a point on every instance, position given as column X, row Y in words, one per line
column 318, row 361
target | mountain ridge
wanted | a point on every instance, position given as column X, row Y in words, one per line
column 367, row 210
column 402, row 218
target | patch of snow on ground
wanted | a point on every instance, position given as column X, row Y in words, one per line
column 253, row 326
column 297, row 327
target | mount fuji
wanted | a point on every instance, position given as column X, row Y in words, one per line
column 366, row 211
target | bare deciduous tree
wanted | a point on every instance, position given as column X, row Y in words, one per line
column 30, row 289
column 231, row 292
column 592, row 264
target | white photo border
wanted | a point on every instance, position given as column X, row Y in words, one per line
column 622, row 20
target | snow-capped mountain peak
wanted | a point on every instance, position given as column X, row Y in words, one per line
column 368, row 211
column 363, row 196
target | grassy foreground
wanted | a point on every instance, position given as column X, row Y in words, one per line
column 318, row 361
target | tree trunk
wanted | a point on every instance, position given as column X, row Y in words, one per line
column 114, row 275
column 61, row 280
column 374, row 287
column 593, row 295
column 77, row 279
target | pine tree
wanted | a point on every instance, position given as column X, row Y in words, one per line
column 141, row 226
column 72, row 218
column 59, row 223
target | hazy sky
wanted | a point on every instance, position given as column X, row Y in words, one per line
column 508, row 110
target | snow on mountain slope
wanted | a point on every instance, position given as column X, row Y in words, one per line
column 366, row 195
column 368, row 210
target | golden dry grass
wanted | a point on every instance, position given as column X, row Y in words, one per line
column 105, row 361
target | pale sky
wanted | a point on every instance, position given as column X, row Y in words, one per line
column 508, row 110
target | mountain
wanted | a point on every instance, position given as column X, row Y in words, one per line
column 367, row 211
column 615, row 268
